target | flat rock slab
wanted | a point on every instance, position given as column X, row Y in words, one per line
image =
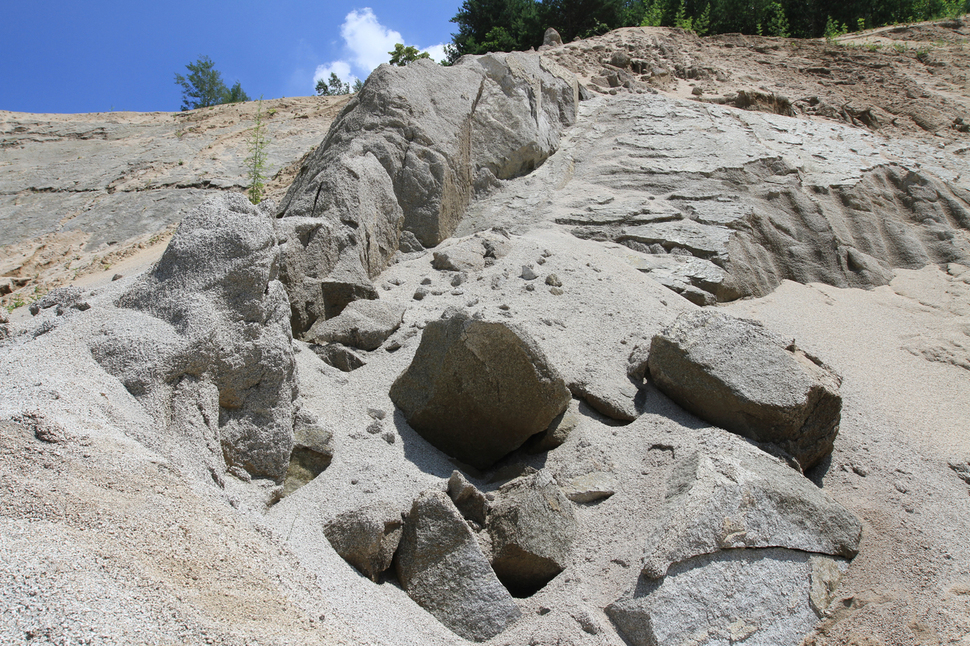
column 442, row 568
column 728, row 496
column 364, row 324
column 736, row 374
column 764, row 597
column 478, row 390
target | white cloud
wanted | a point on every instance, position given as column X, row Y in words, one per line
column 367, row 44
column 437, row 52
column 368, row 40
column 340, row 68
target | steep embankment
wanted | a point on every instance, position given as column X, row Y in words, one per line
column 81, row 192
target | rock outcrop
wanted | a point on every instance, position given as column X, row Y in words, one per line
column 478, row 390
column 212, row 349
column 442, row 568
column 408, row 153
column 737, row 375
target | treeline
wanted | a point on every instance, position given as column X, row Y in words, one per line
column 509, row 25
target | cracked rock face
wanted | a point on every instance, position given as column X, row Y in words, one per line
column 409, row 153
column 746, row 550
column 717, row 204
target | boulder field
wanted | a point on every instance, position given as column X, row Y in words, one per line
column 531, row 351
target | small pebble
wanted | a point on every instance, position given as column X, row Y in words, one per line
column 420, row 293
column 556, row 291
column 528, row 273
column 426, row 281
column 553, row 281
column 389, row 437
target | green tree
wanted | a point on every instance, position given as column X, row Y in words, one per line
column 332, row 86
column 203, row 86
column 235, row 94
column 256, row 162
column 402, row 55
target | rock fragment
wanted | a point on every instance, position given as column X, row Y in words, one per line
column 363, row 324
column 589, row 488
column 532, row 526
column 312, row 452
column 442, row 568
column 367, row 537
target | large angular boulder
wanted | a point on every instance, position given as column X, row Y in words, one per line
column 478, row 390
column 408, row 153
column 532, row 526
column 442, row 568
column 736, row 374
column 211, row 353
column 368, row 537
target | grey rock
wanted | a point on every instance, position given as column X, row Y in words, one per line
column 638, row 362
column 478, row 390
column 367, row 537
column 59, row 297
column 339, row 356
column 558, row 431
column 221, row 338
column 465, row 255
column 736, row 374
column 551, row 38
column 442, row 568
column 363, row 324
column 609, row 395
column 408, row 154
column 409, row 243
column 468, row 499
column 755, row 596
column 528, row 273
column 730, row 496
column 532, row 526
column 826, row 576
column 553, row 280
column 590, row 487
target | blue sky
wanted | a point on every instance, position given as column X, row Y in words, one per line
column 101, row 55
